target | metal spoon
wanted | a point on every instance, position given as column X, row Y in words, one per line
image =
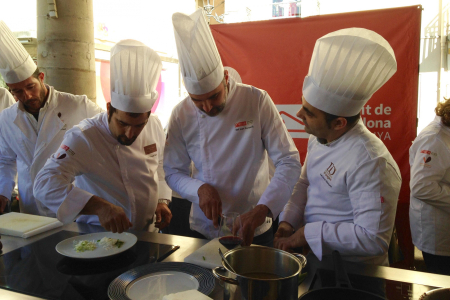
column 226, row 262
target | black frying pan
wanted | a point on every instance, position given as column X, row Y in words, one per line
column 343, row 289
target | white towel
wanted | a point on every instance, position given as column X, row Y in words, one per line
column 187, row 295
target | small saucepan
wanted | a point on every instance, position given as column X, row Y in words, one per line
column 343, row 288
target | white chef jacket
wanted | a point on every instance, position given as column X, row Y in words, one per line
column 229, row 152
column 429, row 210
column 6, row 99
column 347, row 196
column 20, row 143
column 131, row 177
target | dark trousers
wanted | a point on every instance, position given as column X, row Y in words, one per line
column 179, row 225
column 436, row 263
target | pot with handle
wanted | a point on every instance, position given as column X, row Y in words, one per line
column 342, row 290
column 436, row 294
column 261, row 273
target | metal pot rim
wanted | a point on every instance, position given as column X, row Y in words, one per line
column 296, row 259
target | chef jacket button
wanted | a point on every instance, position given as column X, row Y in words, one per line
column 202, row 116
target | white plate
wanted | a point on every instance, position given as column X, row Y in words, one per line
column 157, row 285
column 67, row 248
column 155, row 280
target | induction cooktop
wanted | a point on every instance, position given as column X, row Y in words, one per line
column 38, row 270
column 390, row 289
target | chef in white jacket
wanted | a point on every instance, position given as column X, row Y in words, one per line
column 346, row 197
column 32, row 129
column 6, row 99
column 429, row 210
column 116, row 157
column 227, row 129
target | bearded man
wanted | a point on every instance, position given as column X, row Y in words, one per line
column 33, row 128
column 228, row 130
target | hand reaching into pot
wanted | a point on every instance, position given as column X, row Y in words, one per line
column 285, row 240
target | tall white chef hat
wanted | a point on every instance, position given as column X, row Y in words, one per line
column 347, row 67
column 199, row 58
column 135, row 71
column 16, row 64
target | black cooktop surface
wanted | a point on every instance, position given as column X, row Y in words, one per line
column 38, row 270
column 390, row 289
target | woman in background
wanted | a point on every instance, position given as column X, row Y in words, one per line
column 429, row 212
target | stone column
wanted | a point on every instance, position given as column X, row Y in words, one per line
column 65, row 38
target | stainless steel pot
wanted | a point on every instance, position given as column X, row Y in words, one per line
column 437, row 294
column 261, row 273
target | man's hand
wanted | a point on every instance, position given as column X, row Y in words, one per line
column 210, row 203
column 284, row 230
column 3, row 203
column 296, row 240
column 163, row 216
column 111, row 217
column 250, row 221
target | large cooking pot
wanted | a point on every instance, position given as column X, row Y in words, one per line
column 262, row 273
column 343, row 289
column 437, row 294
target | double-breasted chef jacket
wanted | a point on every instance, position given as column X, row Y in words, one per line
column 6, row 99
column 429, row 210
column 131, row 177
column 229, row 152
column 31, row 144
column 347, row 197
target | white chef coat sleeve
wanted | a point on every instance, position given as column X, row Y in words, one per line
column 91, row 108
column 6, row 99
column 373, row 189
column 164, row 191
column 177, row 162
column 54, row 182
column 8, row 167
column 284, row 154
column 428, row 168
column 294, row 211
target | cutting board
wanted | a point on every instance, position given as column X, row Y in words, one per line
column 208, row 255
column 24, row 225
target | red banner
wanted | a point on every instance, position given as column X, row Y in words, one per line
column 275, row 55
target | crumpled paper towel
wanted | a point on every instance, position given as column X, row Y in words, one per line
column 187, row 295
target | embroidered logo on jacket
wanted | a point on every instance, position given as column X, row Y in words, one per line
column 60, row 156
column 68, row 150
column 428, row 152
column 243, row 125
column 150, row 149
column 426, row 161
column 329, row 172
